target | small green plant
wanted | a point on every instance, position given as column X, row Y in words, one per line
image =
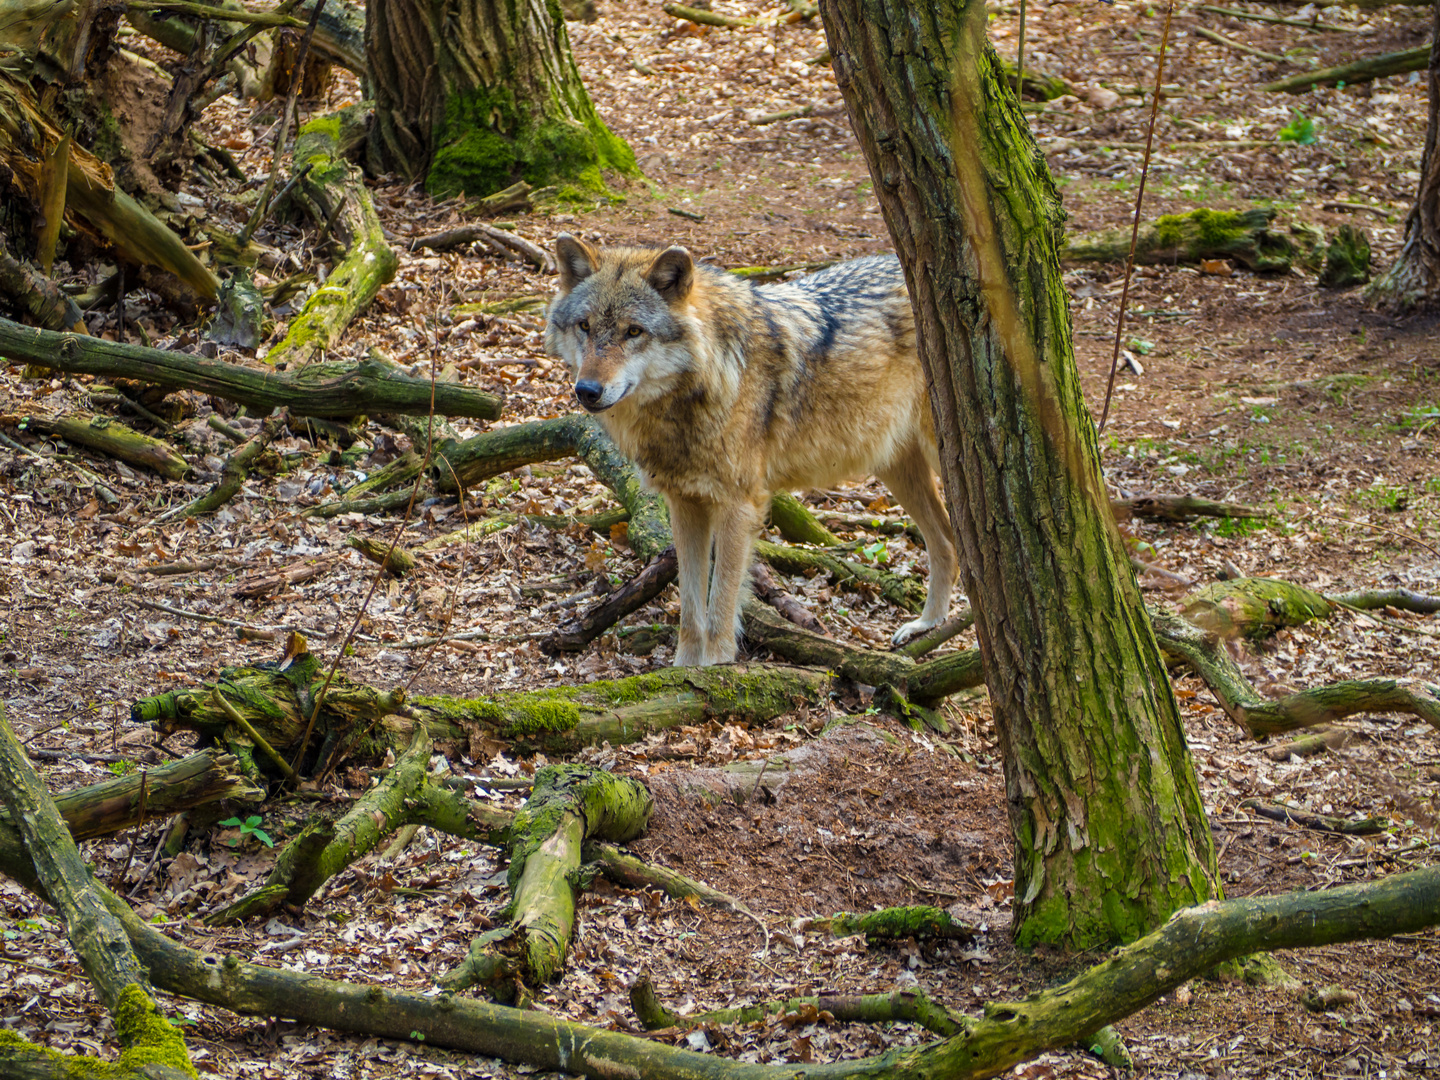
column 121, row 768
column 1300, row 130
column 249, row 827
column 878, row 552
column 1232, row 527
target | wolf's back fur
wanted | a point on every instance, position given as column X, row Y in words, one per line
column 724, row 392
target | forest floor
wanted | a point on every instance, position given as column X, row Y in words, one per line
column 1265, row 390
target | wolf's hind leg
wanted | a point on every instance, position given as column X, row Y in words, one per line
column 691, row 523
column 913, row 484
column 736, row 527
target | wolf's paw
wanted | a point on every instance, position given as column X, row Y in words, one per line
column 913, row 629
column 689, row 654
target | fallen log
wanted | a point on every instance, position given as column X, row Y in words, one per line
column 112, row 806
column 1358, row 71
column 796, row 522
column 555, row 721
column 1242, row 235
column 1254, row 607
column 325, row 390
column 1180, row 508
column 333, row 195
column 903, row 1006
column 924, row 684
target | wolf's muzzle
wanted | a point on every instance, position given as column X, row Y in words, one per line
column 589, row 392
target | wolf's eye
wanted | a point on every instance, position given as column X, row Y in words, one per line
column 634, row 331
column 584, row 326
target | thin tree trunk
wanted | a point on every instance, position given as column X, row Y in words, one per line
column 1110, row 832
column 1416, row 273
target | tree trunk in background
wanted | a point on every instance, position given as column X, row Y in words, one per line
column 1110, row 832
column 476, row 94
column 1416, row 274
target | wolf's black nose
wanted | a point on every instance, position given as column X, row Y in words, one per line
column 589, row 392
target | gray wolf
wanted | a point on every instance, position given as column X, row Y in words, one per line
column 723, row 392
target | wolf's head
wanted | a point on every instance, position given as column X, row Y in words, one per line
column 618, row 320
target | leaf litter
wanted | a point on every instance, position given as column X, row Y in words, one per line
column 1263, row 390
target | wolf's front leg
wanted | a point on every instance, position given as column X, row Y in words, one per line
column 691, row 525
column 735, row 528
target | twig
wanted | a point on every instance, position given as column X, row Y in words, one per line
column 119, row 877
column 707, row 18
column 1238, row 46
column 689, row 215
column 219, row 620
column 262, row 205
column 533, row 252
column 103, row 493
column 1139, row 201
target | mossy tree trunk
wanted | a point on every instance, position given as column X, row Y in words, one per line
column 1415, row 276
column 1110, row 832
column 476, row 94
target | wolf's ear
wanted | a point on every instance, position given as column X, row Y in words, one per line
column 577, row 260
column 671, row 274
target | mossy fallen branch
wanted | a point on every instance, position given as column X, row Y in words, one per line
column 558, row 720
column 334, row 196
column 1242, row 235
column 569, row 805
column 326, row 390
column 98, row 938
column 1206, row 654
column 110, row 437
column 1190, row 943
column 1358, row 71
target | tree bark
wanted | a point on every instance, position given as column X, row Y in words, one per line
column 474, row 96
column 1110, row 832
column 1415, row 276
